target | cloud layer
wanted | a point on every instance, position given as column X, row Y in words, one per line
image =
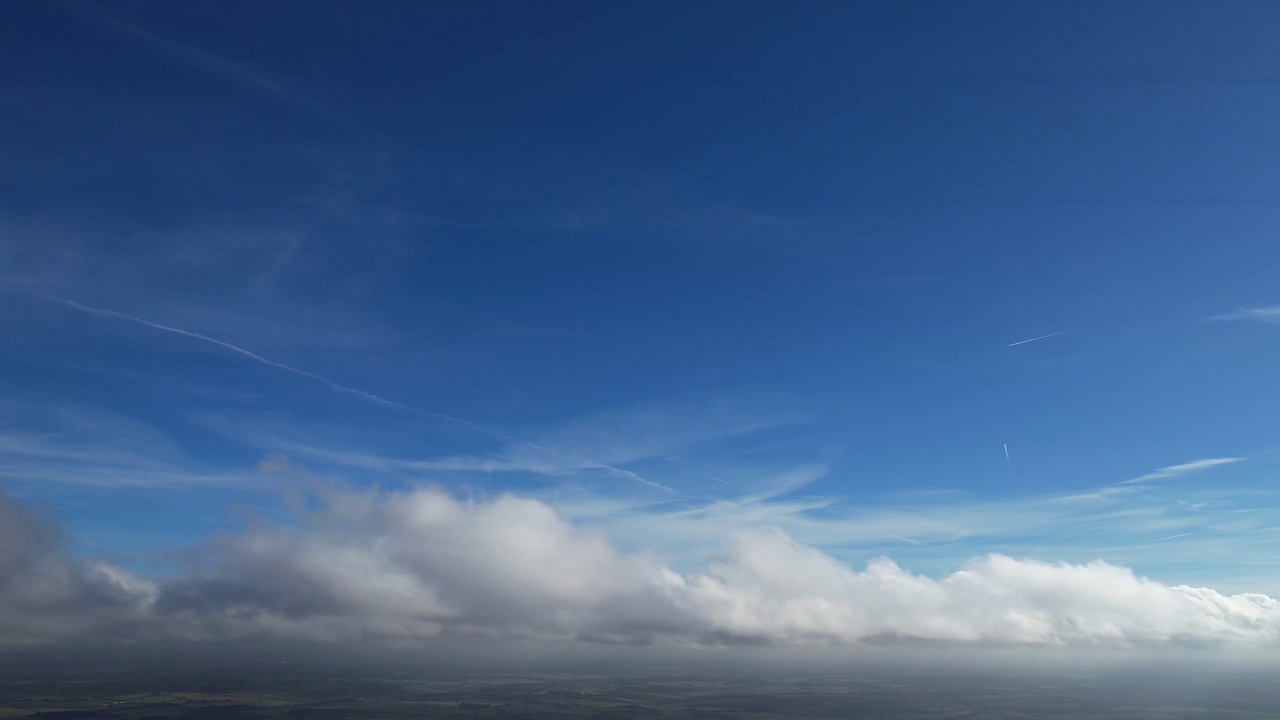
column 422, row 564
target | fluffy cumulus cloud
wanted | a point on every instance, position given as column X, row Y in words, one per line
column 422, row 564
column 774, row 588
column 419, row 564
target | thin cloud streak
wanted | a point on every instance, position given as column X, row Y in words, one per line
column 1180, row 470
column 655, row 432
column 85, row 446
column 1042, row 337
column 1081, row 524
column 336, row 387
column 218, row 66
column 1258, row 314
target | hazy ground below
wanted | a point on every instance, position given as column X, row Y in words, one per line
column 341, row 685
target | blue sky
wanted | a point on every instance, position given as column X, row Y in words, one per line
column 676, row 270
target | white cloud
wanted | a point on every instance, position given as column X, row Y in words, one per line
column 1258, row 314
column 421, row 564
column 775, row 588
column 424, row 563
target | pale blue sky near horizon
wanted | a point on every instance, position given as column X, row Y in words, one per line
column 677, row 269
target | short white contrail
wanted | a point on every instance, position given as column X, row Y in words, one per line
column 1009, row 460
column 348, row 390
column 1042, row 337
column 1172, row 537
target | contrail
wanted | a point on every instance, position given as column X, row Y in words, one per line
column 1023, row 342
column 217, row 66
column 1009, row 460
column 348, row 390
column 1172, row 537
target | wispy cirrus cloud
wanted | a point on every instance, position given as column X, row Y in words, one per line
column 666, row 434
column 520, row 443
column 1164, row 526
column 1174, row 471
column 91, row 446
column 1124, row 520
column 1257, row 314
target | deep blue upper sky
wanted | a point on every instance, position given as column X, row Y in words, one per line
column 771, row 257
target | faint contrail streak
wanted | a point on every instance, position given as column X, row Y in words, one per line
column 1023, row 342
column 1009, row 460
column 217, row 66
column 349, row 390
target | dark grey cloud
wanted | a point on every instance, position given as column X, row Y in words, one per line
column 47, row 594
